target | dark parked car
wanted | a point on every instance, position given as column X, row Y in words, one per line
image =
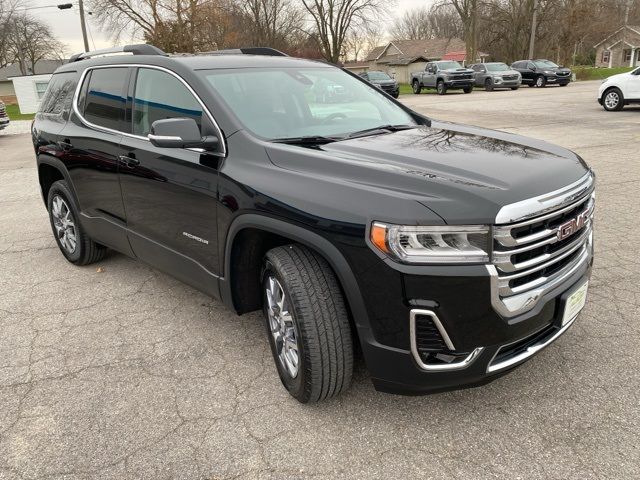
column 495, row 75
column 540, row 73
column 383, row 81
column 443, row 75
column 4, row 118
column 450, row 254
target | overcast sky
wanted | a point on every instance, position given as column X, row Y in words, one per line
column 66, row 23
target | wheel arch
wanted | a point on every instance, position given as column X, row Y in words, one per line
column 50, row 170
column 284, row 233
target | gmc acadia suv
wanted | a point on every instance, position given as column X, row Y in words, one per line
column 449, row 253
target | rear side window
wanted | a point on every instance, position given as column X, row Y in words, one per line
column 105, row 100
column 59, row 95
column 159, row 95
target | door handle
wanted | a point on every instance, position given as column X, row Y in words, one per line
column 129, row 161
column 65, row 144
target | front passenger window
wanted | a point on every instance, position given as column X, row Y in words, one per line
column 160, row 95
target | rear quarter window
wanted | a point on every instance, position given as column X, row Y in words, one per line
column 105, row 99
column 58, row 97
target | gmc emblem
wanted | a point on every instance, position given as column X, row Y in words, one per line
column 572, row 226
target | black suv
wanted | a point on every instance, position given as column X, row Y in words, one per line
column 383, row 81
column 540, row 73
column 448, row 253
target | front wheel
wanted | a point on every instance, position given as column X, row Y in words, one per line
column 613, row 100
column 488, row 85
column 467, row 89
column 514, row 88
column 441, row 87
column 541, row 81
column 416, row 87
column 71, row 238
column 307, row 324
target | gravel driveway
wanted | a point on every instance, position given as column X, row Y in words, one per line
column 118, row 371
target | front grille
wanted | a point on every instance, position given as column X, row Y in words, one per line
column 3, row 111
column 562, row 74
column 428, row 338
column 462, row 76
column 510, row 77
column 532, row 253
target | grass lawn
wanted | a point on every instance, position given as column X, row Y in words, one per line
column 593, row 73
column 14, row 113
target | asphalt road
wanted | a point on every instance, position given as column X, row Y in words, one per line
column 122, row 372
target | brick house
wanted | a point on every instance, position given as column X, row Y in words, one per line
column 620, row 49
column 400, row 58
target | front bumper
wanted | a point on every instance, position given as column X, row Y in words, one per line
column 463, row 302
column 396, row 370
column 4, row 122
column 466, row 83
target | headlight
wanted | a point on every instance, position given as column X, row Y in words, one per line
column 549, row 72
column 418, row 244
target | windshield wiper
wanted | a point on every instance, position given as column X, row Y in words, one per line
column 306, row 140
column 380, row 129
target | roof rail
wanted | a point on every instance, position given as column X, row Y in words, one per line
column 140, row 49
column 248, row 51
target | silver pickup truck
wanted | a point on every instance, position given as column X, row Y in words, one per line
column 443, row 75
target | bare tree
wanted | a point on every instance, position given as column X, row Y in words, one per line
column 271, row 22
column 333, row 20
column 30, row 41
column 413, row 25
column 360, row 41
column 7, row 11
column 468, row 11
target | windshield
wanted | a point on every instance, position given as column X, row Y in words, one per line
column 496, row 67
column 448, row 65
column 378, row 76
column 296, row 102
column 545, row 64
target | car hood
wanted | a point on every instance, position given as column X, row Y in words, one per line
column 504, row 72
column 457, row 70
column 383, row 82
column 464, row 174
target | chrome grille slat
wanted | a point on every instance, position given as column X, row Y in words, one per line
column 502, row 233
column 502, row 258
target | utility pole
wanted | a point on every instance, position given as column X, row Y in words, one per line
column 534, row 26
column 83, row 25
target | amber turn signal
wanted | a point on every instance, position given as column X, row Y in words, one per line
column 378, row 237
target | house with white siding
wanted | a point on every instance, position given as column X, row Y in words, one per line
column 29, row 90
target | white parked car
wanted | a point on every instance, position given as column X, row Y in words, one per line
column 620, row 90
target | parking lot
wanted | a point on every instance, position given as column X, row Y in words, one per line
column 118, row 371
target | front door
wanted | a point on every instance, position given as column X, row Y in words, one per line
column 430, row 75
column 170, row 194
column 633, row 85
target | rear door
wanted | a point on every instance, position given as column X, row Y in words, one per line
column 170, row 194
column 89, row 147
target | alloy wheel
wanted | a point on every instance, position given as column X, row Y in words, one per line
column 64, row 224
column 611, row 100
column 282, row 327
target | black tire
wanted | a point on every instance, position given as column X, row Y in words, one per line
column 541, row 81
column 531, row 84
column 86, row 251
column 514, row 88
column 416, row 87
column 563, row 84
column 467, row 89
column 613, row 100
column 441, row 88
column 488, row 85
column 395, row 95
column 320, row 322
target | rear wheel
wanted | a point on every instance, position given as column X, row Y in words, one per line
column 416, row 87
column 514, row 88
column 613, row 100
column 307, row 323
column 488, row 85
column 467, row 89
column 64, row 216
column 441, row 88
column 541, row 81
